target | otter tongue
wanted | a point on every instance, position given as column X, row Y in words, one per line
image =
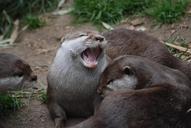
column 90, row 57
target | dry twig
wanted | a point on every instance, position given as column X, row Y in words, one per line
column 13, row 37
column 180, row 48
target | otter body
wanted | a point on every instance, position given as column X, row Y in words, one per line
column 161, row 106
column 130, row 42
column 135, row 72
column 140, row 93
column 15, row 73
column 74, row 75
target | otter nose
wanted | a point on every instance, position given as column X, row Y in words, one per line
column 33, row 78
column 99, row 38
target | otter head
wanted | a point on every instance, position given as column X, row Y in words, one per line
column 15, row 73
column 118, row 75
column 86, row 48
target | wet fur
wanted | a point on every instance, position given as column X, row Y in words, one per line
column 160, row 106
column 161, row 97
column 71, row 86
column 15, row 73
column 146, row 72
column 130, row 42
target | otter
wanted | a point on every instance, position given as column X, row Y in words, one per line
column 158, row 106
column 136, row 72
column 140, row 93
column 129, row 42
column 74, row 75
column 15, row 73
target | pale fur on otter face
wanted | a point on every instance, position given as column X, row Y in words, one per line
column 129, row 42
column 135, row 72
column 72, row 82
column 155, row 96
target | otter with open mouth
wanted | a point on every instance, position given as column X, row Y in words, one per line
column 74, row 75
column 140, row 93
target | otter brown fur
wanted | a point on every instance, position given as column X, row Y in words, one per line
column 130, row 42
column 15, row 73
column 136, row 72
column 159, row 106
column 74, row 75
column 146, row 95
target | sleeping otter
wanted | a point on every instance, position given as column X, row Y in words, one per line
column 159, row 106
column 140, row 93
column 135, row 72
column 130, row 42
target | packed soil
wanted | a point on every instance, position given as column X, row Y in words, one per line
column 38, row 47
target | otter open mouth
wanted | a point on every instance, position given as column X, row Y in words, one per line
column 90, row 56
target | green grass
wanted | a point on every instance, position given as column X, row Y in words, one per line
column 97, row 11
column 134, row 6
column 168, row 11
column 14, row 100
column 112, row 11
column 34, row 22
column 13, row 9
column 9, row 103
column 179, row 41
column 42, row 96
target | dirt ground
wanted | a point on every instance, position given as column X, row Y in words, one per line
column 38, row 47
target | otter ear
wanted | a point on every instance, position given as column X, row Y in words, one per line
column 18, row 73
column 128, row 70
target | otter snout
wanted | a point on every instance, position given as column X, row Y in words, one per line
column 97, row 38
column 33, row 77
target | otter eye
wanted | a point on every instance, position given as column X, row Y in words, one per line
column 128, row 70
column 82, row 34
column 19, row 74
column 110, row 81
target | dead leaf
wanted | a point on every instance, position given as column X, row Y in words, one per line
column 62, row 12
column 180, row 48
column 14, row 35
column 15, row 32
column 60, row 4
column 107, row 26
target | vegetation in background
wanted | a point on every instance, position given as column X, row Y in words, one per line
column 112, row 11
column 97, row 11
column 34, row 22
column 12, row 9
column 178, row 41
column 168, row 11
column 9, row 103
column 42, row 96
column 137, row 6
